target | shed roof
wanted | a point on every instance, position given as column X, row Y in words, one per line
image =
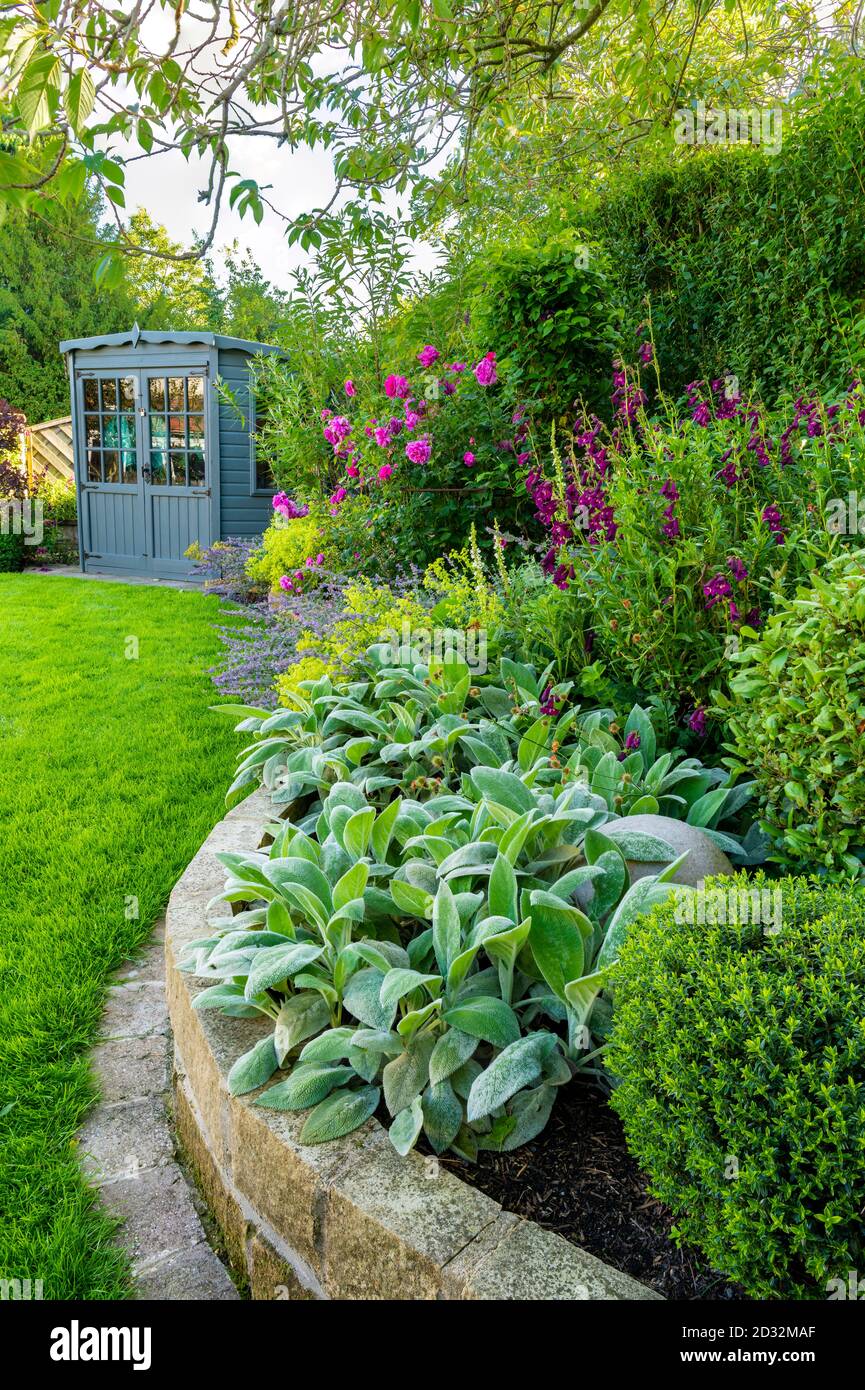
column 136, row 335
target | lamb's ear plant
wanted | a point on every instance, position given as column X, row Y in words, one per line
column 426, row 954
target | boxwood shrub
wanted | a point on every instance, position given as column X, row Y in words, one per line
column 740, row 1059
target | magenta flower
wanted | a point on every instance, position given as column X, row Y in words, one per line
column 549, row 703
column 285, row 583
column 338, row 496
column 468, row 458
column 287, row 507
column 485, row 371
column 350, row 388
column 418, row 450
column 737, row 569
column 697, row 721
column 382, row 436
column 385, row 472
column 428, row 355
column 716, row 589
column 772, row 517
column 396, row 387
column 352, row 470
column 412, row 419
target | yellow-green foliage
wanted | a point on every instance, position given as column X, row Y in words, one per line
column 370, row 611
column 464, row 591
column 285, row 548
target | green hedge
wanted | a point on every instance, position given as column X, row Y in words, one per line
column 741, row 1057
column 753, row 263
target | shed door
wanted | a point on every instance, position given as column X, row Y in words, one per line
column 145, row 487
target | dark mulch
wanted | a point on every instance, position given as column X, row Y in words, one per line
column 577, row 1178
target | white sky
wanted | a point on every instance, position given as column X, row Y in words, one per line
column 301, row 180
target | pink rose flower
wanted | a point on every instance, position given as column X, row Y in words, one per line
column 385, row 472
column 428, row 355
column 350, row 388
column 468, row 458
column 418, row 450
column 396, row 387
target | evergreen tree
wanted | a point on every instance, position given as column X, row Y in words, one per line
column 47, row 293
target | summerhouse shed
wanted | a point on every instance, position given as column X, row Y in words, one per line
column 162, row 459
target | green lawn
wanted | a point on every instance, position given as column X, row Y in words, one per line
column 113, row 772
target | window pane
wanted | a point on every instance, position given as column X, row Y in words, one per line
column 91, row 394
column 178, row 468
column 111, row 473
column 109, row 395
column 130, row 468
column 91, row 429
column 157, row 468
column 157, row 393
column 109, row 432
column 195, row 392
column 177, row 432
column 263, row 475
column 158, row 429
column 94, row 467
column 175, row 393
column 127, row 431
column 127, row 393
column 196, row 469
column 196, row 431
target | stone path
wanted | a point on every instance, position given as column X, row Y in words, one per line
column 73, row 572
column 127, row 1149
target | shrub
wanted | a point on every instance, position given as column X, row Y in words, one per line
column 291, row 551
column 741, row 1063
column 778, row 306
column 798, row 720
column 369, row 611
column 12, row 552
column 547, row 310
column 59, row 498
column 675, row 529
column 429, row 451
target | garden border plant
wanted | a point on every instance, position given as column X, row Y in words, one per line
column 428, row 947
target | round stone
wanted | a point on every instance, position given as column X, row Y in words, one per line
column 705, row 858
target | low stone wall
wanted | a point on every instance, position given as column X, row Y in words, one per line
column 349, row 1219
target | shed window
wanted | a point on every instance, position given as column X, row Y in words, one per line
column 262, row 474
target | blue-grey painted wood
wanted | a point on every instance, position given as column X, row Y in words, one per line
column 145, row 527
